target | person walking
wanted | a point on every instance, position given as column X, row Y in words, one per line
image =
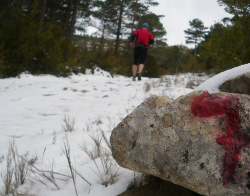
column 144, row 38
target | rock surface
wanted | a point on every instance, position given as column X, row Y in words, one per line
column 240, row 84
column 199, row 141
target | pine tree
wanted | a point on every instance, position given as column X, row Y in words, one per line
column 119, row 17
column 106, row 12
column 236, row 7
column 138, row 9
column 195, row 33
column 155, row 26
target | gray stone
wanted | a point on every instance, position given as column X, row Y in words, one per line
column 199, row 141
column 240, row 84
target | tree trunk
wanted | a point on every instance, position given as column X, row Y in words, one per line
column 133, row 24
column 102, row 38
column 119, row 28
column 73, row 19
column 41, row 19
column 66, row 21
column 195, row 47
column 50, row 13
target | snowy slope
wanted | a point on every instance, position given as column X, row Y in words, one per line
column 33, row 109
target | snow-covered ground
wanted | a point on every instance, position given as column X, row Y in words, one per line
column 32, row 112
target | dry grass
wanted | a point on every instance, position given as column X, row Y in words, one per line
column 146, row 87
column 73, row 172
column 47, row 177
column 68, row 124
column 17, row 169
column 108, row 170
column 190, row 84
column 66, row 152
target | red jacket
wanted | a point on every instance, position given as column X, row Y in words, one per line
column 144, row 36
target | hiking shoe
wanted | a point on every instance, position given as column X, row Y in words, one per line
column 139, row 76
column 133, row 78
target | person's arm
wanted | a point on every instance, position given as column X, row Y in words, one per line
column 151, row 39
column 133, row 36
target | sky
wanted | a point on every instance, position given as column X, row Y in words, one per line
column 178, row 13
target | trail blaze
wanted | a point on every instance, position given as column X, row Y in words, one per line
column 233, row 141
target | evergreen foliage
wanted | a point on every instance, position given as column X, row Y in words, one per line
column 226, row 46
column 155, row 26
column 172, row 59
column 236, row 7
column 196, row 33
column 227, row 43
column 36, row 35
column 26, row 49
column 152, row 69
column 106, row 59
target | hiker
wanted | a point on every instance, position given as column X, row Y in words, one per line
column 144, row 38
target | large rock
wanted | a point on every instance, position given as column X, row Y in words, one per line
column 199, row 141
column 240, row 84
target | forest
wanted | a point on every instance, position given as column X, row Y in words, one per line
column 38, row 36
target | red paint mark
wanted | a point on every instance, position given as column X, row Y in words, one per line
column 233, row 141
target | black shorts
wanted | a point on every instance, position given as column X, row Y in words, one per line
column 140, row 52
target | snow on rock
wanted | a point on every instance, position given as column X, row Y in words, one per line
column 212, row 84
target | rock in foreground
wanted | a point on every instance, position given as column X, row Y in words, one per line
column 199, row 141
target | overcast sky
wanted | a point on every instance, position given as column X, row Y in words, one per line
column 178, row 13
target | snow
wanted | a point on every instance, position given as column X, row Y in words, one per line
column 212, row 85
column 33, row 109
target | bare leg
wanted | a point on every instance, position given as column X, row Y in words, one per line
column 134, row 69
column 141, row 66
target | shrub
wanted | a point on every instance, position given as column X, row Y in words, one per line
column 152, row 68
column 2, row 63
